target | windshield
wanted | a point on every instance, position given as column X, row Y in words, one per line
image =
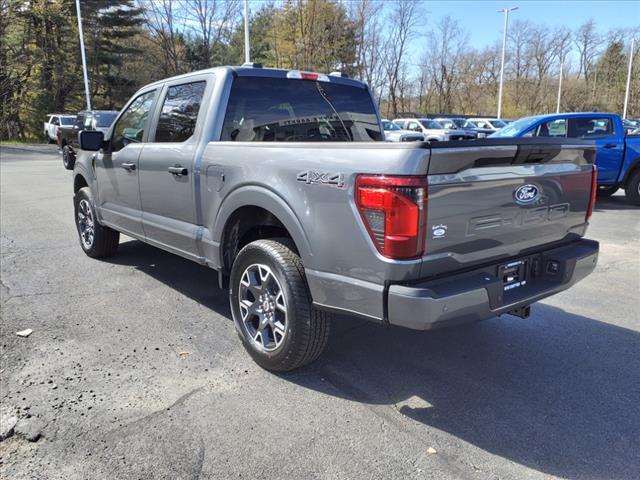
column 515, row 128
column 497, row 123
column 67, row 121
column 447, row 123
column 263, row 109
column 431, row 124
column 462, row 123
column 105, row 119
column 387, row 125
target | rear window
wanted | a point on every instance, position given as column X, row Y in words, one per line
column 105, row 119
column 289, row 110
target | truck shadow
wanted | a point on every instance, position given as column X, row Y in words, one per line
column 558, row 392
column 616, row 202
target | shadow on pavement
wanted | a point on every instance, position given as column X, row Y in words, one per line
column 558, row 392
column 616, row 202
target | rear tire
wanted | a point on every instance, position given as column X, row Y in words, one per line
column 68, row 158
column 632, row 188
column 604, row 192
column 96, row 241
column 271, row 306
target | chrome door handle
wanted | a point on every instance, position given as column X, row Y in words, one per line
column 128, row 166
column 178, row 171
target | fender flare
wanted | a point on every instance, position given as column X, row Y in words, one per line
column 261, row 197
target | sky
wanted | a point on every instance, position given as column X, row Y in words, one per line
column 484, row 24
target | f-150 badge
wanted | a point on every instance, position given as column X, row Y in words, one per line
column 322, row 178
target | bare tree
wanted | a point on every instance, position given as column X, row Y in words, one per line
column 587, row 42
column 211, row 18
column 167, row 27
column 370, row 46
column 403, row 23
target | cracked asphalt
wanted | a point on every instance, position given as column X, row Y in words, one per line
column 135, row 370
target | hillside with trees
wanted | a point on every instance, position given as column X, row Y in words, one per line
column 132, row 42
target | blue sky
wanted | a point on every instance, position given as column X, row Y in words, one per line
column 484, row 24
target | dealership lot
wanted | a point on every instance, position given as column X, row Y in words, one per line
column 135, row 371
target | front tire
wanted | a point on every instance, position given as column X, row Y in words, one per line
column 606, row 191
column 96, row 241
column 271, row 307
column 68, row 158
column 632, row 188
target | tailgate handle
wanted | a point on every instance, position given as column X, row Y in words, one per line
column 178, row 171
column 610, row 145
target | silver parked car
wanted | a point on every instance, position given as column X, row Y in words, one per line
column 463, row 125
column 493, row 124
column 393, row 133
column 432, row 130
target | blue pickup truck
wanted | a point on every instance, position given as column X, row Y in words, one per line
column 617, row 156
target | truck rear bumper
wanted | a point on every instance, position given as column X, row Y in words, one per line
column 488, row 292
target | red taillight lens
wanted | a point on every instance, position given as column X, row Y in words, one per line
column 394, row 210
column 594, row 189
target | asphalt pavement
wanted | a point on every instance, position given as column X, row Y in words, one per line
column 133, row 369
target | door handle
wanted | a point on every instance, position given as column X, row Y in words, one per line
column 178, row 171
column 128, row 166
column 610, row 145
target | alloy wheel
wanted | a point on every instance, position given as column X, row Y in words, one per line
column 263, row 307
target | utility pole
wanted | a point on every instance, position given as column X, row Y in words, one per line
column 84, row 58
column 560, row 83
column 626, row 93
column 247, row 56
column 504, row 47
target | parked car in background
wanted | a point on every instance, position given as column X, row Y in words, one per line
column 432, row 130
column 493, row 124
column 617, row 156
column 631, row 127
column 99, row 120
column 463, row 125
column 393, row 133
column 53, row 124
column 283, row 183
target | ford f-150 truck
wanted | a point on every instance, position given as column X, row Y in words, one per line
column 282, row 182
column 617, row 155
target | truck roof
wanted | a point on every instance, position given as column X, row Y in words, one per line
column 256, row 71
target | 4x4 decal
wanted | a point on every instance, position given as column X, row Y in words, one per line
column 322, row 178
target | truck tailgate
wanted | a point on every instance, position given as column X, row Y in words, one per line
column 501, row 198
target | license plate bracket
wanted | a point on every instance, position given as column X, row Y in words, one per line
column 513, row 274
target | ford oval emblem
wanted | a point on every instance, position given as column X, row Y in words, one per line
column 526, row 193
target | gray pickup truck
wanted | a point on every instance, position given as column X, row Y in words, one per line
column 282, row 182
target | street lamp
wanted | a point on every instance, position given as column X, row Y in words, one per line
column 504, row 47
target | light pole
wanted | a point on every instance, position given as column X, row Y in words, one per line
column 504, row 47
column 247, row 57
column 626, row 93
column 84, row 59
column 560, row 82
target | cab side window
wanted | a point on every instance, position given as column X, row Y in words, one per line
column 555, row 128
column 132, row 123
column 590, row 127
column 414, row 126
column 179, row 112
column 80, row 121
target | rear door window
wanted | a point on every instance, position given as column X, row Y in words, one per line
column 263, row 109
column 590, row 127
column 179, row 113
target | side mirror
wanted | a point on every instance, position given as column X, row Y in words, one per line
column 91, row 140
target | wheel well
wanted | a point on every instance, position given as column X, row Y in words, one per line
column 245, row 225
column 78, row 183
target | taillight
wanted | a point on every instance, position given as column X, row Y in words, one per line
column 594, row 189
column 394, row 211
